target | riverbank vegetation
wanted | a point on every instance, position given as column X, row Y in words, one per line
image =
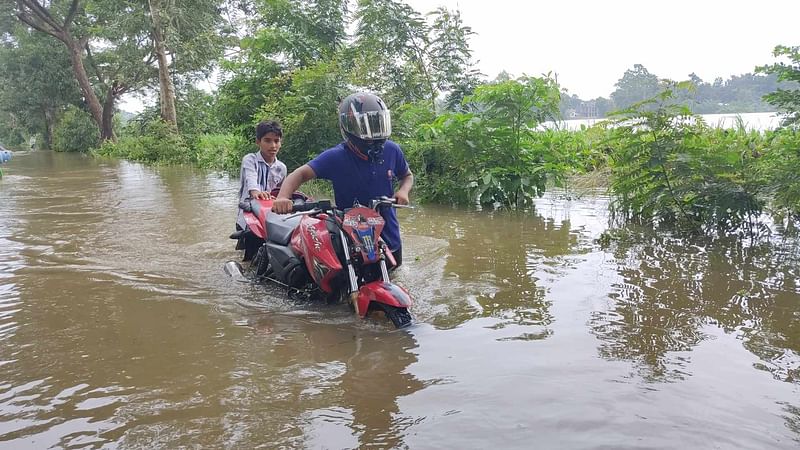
column 65, row 65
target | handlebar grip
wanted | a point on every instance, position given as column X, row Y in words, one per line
column 300, row 206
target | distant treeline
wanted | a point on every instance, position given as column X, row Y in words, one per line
column 738, row 94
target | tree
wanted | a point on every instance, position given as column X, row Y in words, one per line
column 167, row 88
column 186, row 36
column 636, row 85
column 291, row 37
column 36, row 85
column 451, row 58
column 388, row 52
column 69, row 22
column 787, row 100
column 114, row 46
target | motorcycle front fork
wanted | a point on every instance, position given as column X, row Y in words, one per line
column 351, row 272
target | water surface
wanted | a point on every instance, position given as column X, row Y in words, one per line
column 119, row 329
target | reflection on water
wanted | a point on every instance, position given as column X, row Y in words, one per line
column 118, row 328
column 670, row 289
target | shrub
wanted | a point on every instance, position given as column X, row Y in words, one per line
column 669, row 168
column 75, row 132
column 158, row 143
column 221, row 151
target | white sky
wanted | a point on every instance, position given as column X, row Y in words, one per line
column 590, row 43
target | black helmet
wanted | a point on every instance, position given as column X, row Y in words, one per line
column 366, row 123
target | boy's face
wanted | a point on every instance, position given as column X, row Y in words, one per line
column 269, row 144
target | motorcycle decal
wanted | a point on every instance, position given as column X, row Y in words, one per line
column 320, row 270
column 312, row 231
column 312, row 242
column 365, row 236
column 364, row 225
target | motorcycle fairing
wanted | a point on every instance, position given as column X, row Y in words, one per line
column 381, row 292
column 280, row 227
column 364, row 226
column 313, row 240
column 256, row 217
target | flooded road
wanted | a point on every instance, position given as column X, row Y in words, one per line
column 119, row 329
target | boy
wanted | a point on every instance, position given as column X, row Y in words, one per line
column 261, row 171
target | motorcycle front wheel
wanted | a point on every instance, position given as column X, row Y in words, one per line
column 400, row 317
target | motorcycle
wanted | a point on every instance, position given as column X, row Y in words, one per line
column 324, row 252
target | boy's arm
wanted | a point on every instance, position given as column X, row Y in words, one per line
column 283, row 204
column 249, row 173
column 250, row 177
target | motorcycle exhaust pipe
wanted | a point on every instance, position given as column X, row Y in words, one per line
column 234, row 270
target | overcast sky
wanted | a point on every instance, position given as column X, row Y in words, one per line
column 590, row 43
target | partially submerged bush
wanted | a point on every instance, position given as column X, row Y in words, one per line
column 158, row 143
column 222, row 152
column 75, row 132
column 669, row 168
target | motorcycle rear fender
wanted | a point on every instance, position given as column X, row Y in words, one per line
column 381, row 292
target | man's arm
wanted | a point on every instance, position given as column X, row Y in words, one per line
column 406, row 183
column 283, row 204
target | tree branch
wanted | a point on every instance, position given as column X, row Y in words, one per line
column 41, row 13
column 96, row 69
column 31, row 22
column 71, row 14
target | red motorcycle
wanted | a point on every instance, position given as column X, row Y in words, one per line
column 321, row 251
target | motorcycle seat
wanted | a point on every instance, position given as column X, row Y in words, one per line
column 279, row 230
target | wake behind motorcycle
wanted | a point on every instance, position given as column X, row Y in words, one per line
column 320, row 251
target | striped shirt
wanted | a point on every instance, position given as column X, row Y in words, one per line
column 257, row 174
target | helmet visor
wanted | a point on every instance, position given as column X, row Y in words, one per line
column 367, row 125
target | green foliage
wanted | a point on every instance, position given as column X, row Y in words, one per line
column 492, row 155
column 196, row 113
column 669, row 168
column 154, row 142
column 300, row 31
column 780, row 168
column 75, row 132
column 450, row 57
column 36, row 85
column 387, row 51
column 512, row 168
column 307, row 111
column 635, row 86
column 221, row 152
column 787, row 100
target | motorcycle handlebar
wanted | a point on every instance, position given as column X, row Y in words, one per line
column 301, row 206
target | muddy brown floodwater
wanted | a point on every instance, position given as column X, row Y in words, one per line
column 119, row 329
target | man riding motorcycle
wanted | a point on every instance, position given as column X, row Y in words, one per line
column 362, row 167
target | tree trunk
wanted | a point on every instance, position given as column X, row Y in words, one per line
column 167, row 89
column 50, row 126
column 107, row 126
column 92, row 102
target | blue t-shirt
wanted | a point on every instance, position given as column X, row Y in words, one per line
column 357, row 180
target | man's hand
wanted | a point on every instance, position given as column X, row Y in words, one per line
column 260, row 194
column 401, row 197
column 282, row 206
